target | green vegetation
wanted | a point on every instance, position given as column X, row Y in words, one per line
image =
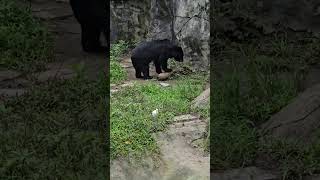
column 131, row 120
column 117, row 73
column 262, row 75
column 56, row 130
column 25, row 44
column 132, row 124
column 255, row 75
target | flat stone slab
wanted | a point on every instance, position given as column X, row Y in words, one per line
column 8, row 74
column 12, row 92
column 56, row 73
column 184, row 118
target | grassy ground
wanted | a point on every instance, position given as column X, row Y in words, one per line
column 131, row 122
column 25, row 44
column 57, row 130
column 117, row 73
column 262, row 75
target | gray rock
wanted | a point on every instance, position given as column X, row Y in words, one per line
column 202, row 100
column 164, row 84
column 12, row 92
column 249, row 173
column 298, row 121
column 8, row 74
column 184, row 118
column 127, row 84
column 55, row 73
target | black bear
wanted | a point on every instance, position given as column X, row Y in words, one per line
column 92, row 16
column 158, row 51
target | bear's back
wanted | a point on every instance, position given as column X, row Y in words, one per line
column 150, row 49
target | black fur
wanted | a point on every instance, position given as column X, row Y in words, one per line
column 92, row 16
column 158, row 51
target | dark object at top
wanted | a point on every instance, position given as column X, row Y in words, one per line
column 152, row 49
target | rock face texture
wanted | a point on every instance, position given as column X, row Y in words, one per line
column 297, row 15
column 184, row 21
column 299, row 121
column 129, row 19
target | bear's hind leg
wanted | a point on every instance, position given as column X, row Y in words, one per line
column 138, row 73
column 158, row 67
column 90, row 38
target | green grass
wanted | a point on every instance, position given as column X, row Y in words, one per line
column 261, row 77
column 57, row 130
column 295, row 161
column 117, row 73
column 25, row 44
column 131, row 120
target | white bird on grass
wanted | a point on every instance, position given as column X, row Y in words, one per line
column 155, row 118
column 155, row 114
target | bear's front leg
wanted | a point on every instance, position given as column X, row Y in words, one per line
column 145, row 71
column 164, row 64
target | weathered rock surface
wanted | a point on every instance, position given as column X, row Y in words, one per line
column 129, row 19
column 249, row 173
column 297, row 15
column 299, row 121
column 55, row 73
column 186, row 22
column 202, row 100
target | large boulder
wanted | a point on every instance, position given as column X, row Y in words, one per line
column 299, row 121
column 202, row 100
